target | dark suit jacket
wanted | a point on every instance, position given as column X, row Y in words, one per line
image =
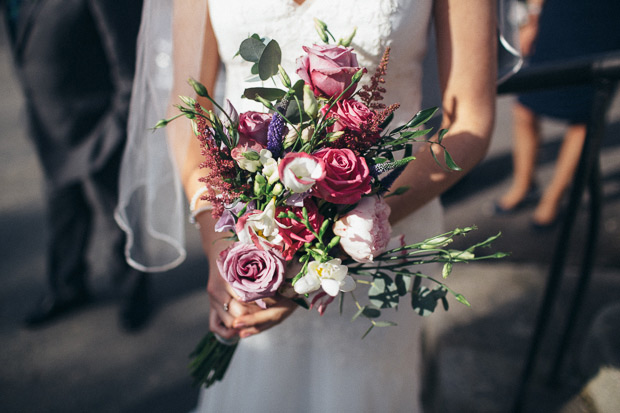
column 75, row 60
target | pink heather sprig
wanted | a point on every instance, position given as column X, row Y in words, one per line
column 221, row 169
column 372, row 93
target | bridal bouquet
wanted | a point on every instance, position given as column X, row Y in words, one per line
column 301, row 188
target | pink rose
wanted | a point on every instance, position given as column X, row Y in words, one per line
column 254, row 125
column 295, row 233
column 365, row 231
column 251, row 272
column 347, row 176
column 244, row 163
column 328, row 69
column 351, row 115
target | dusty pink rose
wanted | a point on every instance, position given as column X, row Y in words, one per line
column 328, row 69
column 254, row 125
column 295, row 233
column 251, row 272
column 351, row 115
column 365, row 231
column 347, row 176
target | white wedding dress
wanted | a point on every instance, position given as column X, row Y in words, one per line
column 311, row 363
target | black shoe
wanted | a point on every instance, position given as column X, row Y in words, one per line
column 136, row 309
column 50, row 308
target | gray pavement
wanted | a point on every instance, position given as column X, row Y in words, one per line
column 85, row 363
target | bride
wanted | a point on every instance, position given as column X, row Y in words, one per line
column 308, row 363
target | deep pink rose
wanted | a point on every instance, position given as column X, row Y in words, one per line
column 347, row 177
column 350, row 114
column 254, row 125
column 365, row 230
column 251, row 272
column 328, row 69
column 296, row 233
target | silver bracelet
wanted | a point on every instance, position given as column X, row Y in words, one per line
column 193, row 212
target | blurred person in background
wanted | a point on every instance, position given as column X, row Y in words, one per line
column 75, row 61
column 556, row 30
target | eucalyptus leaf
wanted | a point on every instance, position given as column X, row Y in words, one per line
column 383, row 292
column 384, row 324
column 371, row 312
column 403, row 283
column 267, row 93
column 269, row 60
column 425, row 301
column 251, row 49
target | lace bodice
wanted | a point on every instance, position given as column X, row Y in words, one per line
column 400, row 24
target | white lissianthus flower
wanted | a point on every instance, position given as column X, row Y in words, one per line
column 299, row 171
column 331, row 276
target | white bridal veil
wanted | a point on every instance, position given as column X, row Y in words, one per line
column 152, row 206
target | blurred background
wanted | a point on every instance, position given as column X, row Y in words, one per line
column 85, row 362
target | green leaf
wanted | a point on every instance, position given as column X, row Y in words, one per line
column 254, row 69
column 402, row 284
column 357, row 314
column 269, row 60
column 425, row 301
column 251, row 156
column 387, row 121
column 368, row 331
column 415, row 133
column 441, row 134
column 267, row 93
column 301, row 302
column 450, row 162
column 383, row 292
column 251, row 49
column 371, row 312
column 421, row 117
column 384, row 324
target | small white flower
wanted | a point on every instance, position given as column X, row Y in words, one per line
column 332, row 276
column 260, row 227
column 270, row 169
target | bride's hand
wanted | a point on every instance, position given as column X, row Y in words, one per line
column 278, row 309
column 224, row 306
column 229, row 317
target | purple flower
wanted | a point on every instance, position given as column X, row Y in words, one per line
column 275, row 133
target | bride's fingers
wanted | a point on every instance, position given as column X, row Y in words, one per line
column 263, row 320
column 217, row 326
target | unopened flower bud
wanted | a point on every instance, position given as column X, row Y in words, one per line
column 311, row 106
column 347, row 42
column 321, row 28
column 286, row 81
column 188, row 100
column 199, row 88
column 277, row 189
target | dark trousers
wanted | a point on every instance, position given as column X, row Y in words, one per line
column 75, row 60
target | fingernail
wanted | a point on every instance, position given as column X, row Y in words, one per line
column 245, row 334
column 238, row 324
